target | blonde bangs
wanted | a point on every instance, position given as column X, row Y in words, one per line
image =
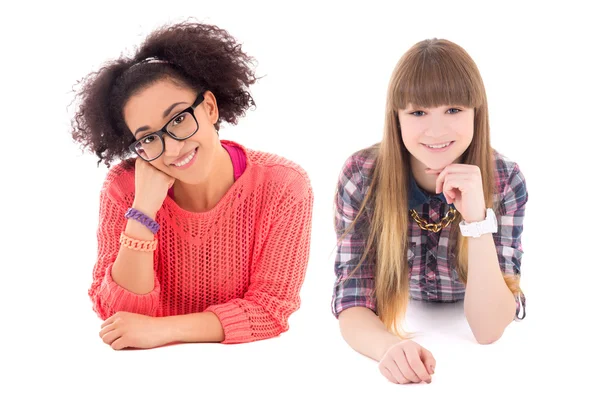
column 433, row 74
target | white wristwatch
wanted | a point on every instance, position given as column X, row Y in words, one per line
column 476, row 229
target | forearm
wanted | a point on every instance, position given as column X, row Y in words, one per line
column 201, row 327
column 133, row 269
column 365, row 332
column 489, row 303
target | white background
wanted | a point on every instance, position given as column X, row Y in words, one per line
column 326, row 66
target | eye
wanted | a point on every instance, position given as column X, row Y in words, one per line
column 417, row 113
column 179, row 119
column 148, row 139
column 453, row 111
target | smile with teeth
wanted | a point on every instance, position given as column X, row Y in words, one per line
column 438, row 146
column 186, row 160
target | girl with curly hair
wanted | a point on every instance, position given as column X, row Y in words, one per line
column 431, row 213
column 199, row 239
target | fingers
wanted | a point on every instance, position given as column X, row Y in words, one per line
column 457, row 168
column 454, row 169
column 406, row 369
column 118, row 344
column 428, row 360
column 390, row 370
column 461, row 182
column 111, row 336
column 108, row 321
column 408, row 363
column 107, row 329
column 416, row 364
column 388, row 374
column 113, row 318
column 447, row 190
column 439, row 181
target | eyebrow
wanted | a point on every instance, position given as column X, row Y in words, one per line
column 165, row 114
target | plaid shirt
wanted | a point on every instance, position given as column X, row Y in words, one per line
column 430, row 256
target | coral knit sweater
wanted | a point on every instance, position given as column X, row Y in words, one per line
column 244, row 260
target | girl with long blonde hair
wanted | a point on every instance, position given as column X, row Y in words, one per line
column 431, row 213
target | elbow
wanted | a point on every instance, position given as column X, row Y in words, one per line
column 488, row 337
column 486, row 332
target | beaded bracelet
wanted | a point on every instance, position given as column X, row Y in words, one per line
column 143, row 219
column 140, row 245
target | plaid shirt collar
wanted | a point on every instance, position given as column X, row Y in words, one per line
column 418, row 196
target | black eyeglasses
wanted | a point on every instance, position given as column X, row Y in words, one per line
column 182, row 126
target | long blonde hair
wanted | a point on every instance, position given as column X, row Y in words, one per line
column 432, row 73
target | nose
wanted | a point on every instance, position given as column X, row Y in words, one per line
column 436, row 127
column 172, row 147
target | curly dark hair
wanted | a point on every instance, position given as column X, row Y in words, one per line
column 199, row 56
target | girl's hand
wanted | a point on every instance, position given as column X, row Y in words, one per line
column 463, row 187
column 151, row 187
column 125, row 329
column 407, row 362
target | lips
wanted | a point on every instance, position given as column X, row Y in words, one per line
column 445, row 144
column 448, row 145
column 186, row 155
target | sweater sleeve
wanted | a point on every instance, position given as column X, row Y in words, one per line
column 106, row 295
column 274, row 290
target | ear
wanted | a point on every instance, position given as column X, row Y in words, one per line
column 210, row 105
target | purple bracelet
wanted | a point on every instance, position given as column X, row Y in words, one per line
column 143, row 219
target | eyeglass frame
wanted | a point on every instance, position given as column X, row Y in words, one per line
column 160, row 133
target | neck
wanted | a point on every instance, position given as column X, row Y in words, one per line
column 204, row 196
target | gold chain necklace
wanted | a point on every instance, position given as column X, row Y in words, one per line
column 427, row 226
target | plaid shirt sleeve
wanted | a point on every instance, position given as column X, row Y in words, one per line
column 358, row 289
column 510, row 225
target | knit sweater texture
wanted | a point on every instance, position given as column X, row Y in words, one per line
column 243, row 260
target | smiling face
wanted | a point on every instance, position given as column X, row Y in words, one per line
column 146, row 112
column 436, row 137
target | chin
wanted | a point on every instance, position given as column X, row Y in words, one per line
column 435, row 164
column 440, row 162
